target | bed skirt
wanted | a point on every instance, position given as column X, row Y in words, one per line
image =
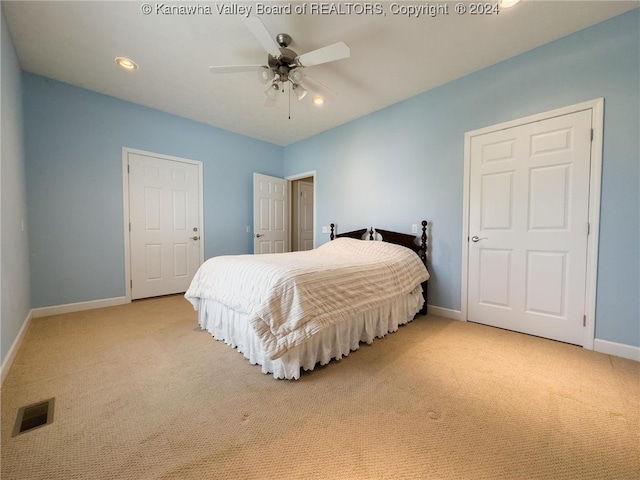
column 336, row 341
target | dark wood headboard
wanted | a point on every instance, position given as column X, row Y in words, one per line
column 403, row 239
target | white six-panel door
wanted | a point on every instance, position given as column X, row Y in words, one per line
column 528, row 227
column 165, row 230
column 270, row 214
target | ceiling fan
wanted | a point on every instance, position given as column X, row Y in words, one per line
column 284, row 66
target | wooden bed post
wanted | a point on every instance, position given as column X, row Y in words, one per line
column 423, row 243
column 423, row 257
column 332, row 236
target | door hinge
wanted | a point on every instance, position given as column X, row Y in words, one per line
column 588, row 228
column 129, row 226
column 592, row 134
column 131, row 283
column 129, row 168
column 584, row 320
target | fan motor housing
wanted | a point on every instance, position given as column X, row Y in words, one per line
column 288, row 57
column 283, row 39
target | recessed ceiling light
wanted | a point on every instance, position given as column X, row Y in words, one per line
column 126, row 63
column 318, row 100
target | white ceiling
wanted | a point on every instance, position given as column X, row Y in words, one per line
column 393, row 57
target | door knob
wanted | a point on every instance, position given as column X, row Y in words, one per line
column 476, row 238
column 195, row 238
column 258, row 235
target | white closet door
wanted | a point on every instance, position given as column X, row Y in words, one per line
column 528, row 223
column 165, row 229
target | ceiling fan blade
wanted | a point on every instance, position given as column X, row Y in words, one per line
column 262, row 35
column 337, row 51
column 235, row 68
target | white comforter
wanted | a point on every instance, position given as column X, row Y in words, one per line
column 291, row 296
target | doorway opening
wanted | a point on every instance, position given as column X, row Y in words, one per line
column 302, row 214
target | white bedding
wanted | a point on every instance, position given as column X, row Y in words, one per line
column 336, row 341
column 290, row 297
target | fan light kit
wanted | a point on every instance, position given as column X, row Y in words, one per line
column 126, row 63
column 284, row 66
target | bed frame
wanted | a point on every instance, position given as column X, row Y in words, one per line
column 397, row 238
column 233, row 326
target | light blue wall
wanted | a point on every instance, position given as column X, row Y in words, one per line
column 403, row 164
column 14, row 253
column 74, row 141
column 389, row 169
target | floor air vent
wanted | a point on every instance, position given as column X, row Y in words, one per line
column 34, row 416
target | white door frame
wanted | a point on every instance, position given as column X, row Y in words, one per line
column 299, row 176
column 125, row 193
column 597, row 115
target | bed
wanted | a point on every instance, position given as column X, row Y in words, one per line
column 289, row 312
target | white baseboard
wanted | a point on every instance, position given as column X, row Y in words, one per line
column 11, row 354
column 617, row 349
column 78, row 307
column 444, row 312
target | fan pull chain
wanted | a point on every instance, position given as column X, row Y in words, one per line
column 289, row 101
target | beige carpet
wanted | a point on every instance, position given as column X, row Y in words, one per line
column 141, row 393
